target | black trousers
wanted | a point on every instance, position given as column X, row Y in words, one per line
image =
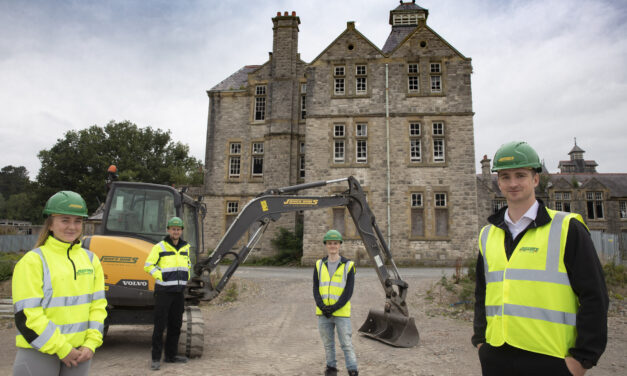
column 169, row 308
column 507, row 360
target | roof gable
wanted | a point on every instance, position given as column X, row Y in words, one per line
column 435, row 44
column 363, row 48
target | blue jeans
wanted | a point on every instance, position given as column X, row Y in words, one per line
column 327, row 326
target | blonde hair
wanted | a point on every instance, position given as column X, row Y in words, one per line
column 45, row 232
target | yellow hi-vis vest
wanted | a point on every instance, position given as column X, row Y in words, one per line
column 170, row 268
column 529, row 301
column 59, row 299
column 331, row 288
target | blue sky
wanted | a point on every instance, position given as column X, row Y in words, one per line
column 545, row 71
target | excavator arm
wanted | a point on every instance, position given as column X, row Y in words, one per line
column 392, row 325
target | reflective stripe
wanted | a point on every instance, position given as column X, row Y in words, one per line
column 537, row 276
column 171, row 283
column 67, row 301
column 26, row 303
column 495, row 276
column 44, row 337
column 99, row 295
column 154, row 270
column 47, row 283
column 76, row 327
column 175, row 269
column 97, row 326
column 90, row 254
column 550, row 315
column 493, row 310
column 336, row 284
column 330, row 296
column 147, row 264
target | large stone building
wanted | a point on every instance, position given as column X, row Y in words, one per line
column 600, row 198
column 400, row 114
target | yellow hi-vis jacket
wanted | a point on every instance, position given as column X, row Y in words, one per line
column 529, row 301
column 59, row 299
column 331, row 288
column 168, row 266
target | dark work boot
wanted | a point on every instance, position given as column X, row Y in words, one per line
column 176, row 359
column 330, row 371
column 353, row 373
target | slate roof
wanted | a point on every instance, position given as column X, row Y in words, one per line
column 410, row 6
column 576, row 149
column 397, row 35
column 236, row 80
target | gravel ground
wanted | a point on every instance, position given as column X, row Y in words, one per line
column 271, row 329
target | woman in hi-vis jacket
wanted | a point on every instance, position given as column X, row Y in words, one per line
column 58, row 296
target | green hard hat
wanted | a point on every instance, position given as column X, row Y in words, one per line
column 175, row 221
column 332, row 235
column 66, row 202
column 516, row 154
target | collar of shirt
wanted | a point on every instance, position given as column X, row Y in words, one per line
column 523, row 222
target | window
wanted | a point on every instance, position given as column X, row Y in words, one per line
column 413, row 78
column 405, row 19
column 562, row 201
column 338, row 220
column 436, row 83
column 339, row 143
column 338, row 74
column 414, row 142
column 257, row 159
column 361, row 132
column 303, row 101
column 438, row 129
column 498, row 205
column 235, row 149
column 260, row 102
column 361, row 80
column 417, row 215
column 623, row 209
column 301, row 160
column 232, row 208
column 441, row 215
column 594, row 205
column 438, row 142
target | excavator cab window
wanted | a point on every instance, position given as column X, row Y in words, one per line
column 140, row 212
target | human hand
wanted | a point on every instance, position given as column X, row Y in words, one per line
column 479, row 346
column 86, row 354
column 71, row 359
column 574, row 366
column 327, row 311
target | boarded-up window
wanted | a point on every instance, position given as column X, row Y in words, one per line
column 338, row 220
column 441, row 222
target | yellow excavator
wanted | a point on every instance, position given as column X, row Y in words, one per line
column 134, row 218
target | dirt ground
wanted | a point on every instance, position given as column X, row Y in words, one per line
column 270, row 329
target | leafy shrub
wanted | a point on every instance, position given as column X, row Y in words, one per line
column 7, row 264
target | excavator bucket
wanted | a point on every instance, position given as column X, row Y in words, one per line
column 391, row 328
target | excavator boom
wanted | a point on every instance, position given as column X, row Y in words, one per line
column 392, row 325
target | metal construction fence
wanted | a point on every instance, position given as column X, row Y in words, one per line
column 608, row 246
column 16, row 243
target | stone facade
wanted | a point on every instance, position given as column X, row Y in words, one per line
column 412, row 99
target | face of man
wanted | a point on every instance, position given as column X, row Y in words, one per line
column 518, row 185
column 66, row 228
column 333, row 247
column 175, row 232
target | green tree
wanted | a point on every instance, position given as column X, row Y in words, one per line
column 14, row 180
column 79, row 161
column 25, row 207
